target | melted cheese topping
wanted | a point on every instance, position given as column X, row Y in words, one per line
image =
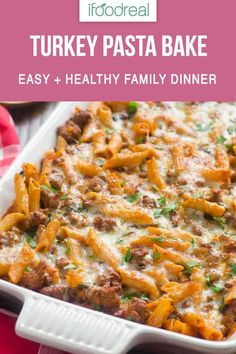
column 181, row 244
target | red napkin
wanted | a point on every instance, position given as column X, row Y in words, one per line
column 9, row 142
column 10, row 343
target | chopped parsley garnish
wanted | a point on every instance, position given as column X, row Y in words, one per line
column 167, row 210
column 133, row 107
column 188, row 267
column 70, row 266
column 109, row 131
column 30, row 241
column 233, row 268
column 157, row 239
column 77, row 209
column 217, row 288
column 193, row 242
column 220, row 221
column 203, row 128
column 208, row 280
column 128, row 233
column 144, row 297
column 123, row 182
column 27, row 269
column 170, row 208
column 49, row 188
column 156, row 255
column 133, row 198
column 119, row 242
column 221, row 139
column 143, row 167
column 128, row 255
column 99, row 162
column 229, row 147
column 127, row 297
column 63, row 197
column 230, row 130
column 162, row 201
column 67, row 250
column 52, row 258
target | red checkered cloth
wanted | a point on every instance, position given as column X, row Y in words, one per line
column 9, row 342
column 9, row 142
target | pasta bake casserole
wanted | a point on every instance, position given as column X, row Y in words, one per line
column 133, row 214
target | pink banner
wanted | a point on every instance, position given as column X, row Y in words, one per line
column 179, row 76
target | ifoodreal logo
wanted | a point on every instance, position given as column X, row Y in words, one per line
column 118, row 11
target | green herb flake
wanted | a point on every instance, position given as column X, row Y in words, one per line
column 230, row 130
column 157, row 239
column 133, row 107
column 99, row 162
column 133, row 198
column 63, row 197
column 203, row 128
column 76, row 209
column 193, row 243
column 109, row 131
column 49, row 188
column 156, row 255
column 188, row 267
column 143, row 167
column 70, row 266
column 67, row 250
column 221, row 139
column 127, row 297
column 30, row 241
column 119, row 242
column 220, row 221
column 169, row 209
column 232, row 268
column 208, row 280
column 27, row 269
column 157, row 213
column 128, row 233
column 217, row 288
column 229, row 147
column 128, row 255
column 52, row 258
column 162, row 201
column 144, row 297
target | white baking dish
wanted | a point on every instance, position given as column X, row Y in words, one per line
column 74, row 328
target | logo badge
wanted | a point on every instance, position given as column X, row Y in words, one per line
column 118, row 11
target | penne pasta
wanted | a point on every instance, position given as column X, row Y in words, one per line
column 34, row 195
column 48, row 236
column 21, row 204
column 203, row 205
column 154, row 174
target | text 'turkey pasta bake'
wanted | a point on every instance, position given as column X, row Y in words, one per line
column 133, row 214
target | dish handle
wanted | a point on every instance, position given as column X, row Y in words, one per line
column 73, row 328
